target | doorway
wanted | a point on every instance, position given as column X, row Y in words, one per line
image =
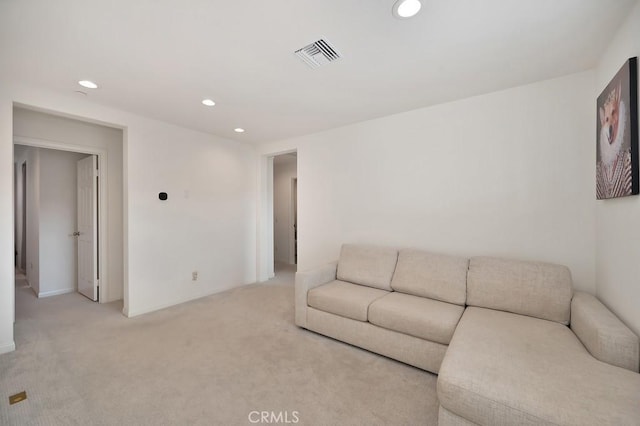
column 285, row 212
column 48, row 207
column 50, row 131
column 35, row 127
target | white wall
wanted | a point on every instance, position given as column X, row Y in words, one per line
column 208, row 224
column 58, row 221
column 264, row 217
column 37, row 125
column 7, row 282
column 618, row 233
column 507, row 174
column 284, row 171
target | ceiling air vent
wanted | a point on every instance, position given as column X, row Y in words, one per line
column 318, row 53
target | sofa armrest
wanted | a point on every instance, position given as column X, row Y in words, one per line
column 307, row 280
column 603, row 334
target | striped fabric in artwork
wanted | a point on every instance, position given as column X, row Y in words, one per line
column 614, row 180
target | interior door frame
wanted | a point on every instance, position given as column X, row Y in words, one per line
column 293, row 219
column 23, row 231
column 103, row 188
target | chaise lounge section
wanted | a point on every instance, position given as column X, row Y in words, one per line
column 510, row 340
column 513, row 360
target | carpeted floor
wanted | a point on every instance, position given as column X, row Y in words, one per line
column 211, row 362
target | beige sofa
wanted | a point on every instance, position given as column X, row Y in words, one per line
column 511, row 342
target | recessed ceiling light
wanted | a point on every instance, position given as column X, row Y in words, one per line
column 208, row 102
column 238, row 130
column 403, row 9
column 88, row 84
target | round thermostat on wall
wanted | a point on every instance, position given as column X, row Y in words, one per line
column 163, row 196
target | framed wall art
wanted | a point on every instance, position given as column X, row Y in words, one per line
column 617, row 135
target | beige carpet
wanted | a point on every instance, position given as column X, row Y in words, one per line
column 210, row 362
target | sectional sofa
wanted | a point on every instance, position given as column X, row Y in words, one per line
column 510, row 340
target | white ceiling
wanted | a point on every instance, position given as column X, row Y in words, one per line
column 160, row 58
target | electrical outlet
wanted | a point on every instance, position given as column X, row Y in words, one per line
column 194, row 276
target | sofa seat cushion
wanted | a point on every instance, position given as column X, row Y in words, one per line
column 417, row 316
column 505, row 368
column 344, row 299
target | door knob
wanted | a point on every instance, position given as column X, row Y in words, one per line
column 76, row 234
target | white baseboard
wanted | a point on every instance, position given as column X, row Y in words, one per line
column 55, row 292
column 8, row 347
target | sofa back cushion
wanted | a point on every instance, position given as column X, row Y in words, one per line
column 435, row 276
column 367, row 265
column 536, row 289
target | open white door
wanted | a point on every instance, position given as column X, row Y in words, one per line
column 87, row 233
